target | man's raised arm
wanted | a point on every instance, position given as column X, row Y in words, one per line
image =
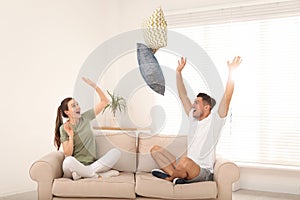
column 187, row 105
column 225, row 102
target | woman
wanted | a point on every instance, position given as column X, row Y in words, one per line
column 77, row 139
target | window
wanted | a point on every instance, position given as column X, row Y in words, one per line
column 264, row 121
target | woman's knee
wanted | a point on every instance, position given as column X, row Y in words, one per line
column 68, row 162
column 116, row 153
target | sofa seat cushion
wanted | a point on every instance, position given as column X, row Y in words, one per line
column 150, row 186
column 121, row 186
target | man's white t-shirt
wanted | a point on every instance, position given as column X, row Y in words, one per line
column 203, row 138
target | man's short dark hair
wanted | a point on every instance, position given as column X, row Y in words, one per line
column 211, row 101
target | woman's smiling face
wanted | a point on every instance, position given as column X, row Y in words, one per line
column 73, row 109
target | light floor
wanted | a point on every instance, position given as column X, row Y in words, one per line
column 238, row 195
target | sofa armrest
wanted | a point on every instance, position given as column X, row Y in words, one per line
column 225, row 173
column 44, row 171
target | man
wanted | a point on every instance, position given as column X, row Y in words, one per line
column 205, row 129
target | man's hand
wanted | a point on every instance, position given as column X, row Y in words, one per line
column 181, row 64
column 234, row 64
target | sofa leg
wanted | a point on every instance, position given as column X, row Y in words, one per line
column 44, row 191
column 225, row 192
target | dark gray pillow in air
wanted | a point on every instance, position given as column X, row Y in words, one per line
column 150, row 69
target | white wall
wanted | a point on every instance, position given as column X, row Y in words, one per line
column 269, row 178
column 43, row 45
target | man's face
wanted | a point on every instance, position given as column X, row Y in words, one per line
column 73, row 109
column 198, row 107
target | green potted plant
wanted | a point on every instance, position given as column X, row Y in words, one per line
column 117, row 103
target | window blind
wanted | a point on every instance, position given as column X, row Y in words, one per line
column 263, row 125
column 278, row 9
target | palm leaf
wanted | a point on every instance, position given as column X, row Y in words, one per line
column 117, row 103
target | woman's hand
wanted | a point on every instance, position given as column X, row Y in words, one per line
column 68, row 129
column 68, row 145
column 89, row 82
column 103, row 99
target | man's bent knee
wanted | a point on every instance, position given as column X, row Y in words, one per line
column 155, row 148
column 186, row 160
column 192, row 168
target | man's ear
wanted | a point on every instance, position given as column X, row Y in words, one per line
column 207, row 107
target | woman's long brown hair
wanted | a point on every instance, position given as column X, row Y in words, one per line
column 59, row 120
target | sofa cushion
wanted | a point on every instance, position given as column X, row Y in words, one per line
column 125, row 142
column 150, row 186
column 175, row 144
column 89, row 187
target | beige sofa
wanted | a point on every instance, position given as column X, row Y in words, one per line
column 134, row 181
